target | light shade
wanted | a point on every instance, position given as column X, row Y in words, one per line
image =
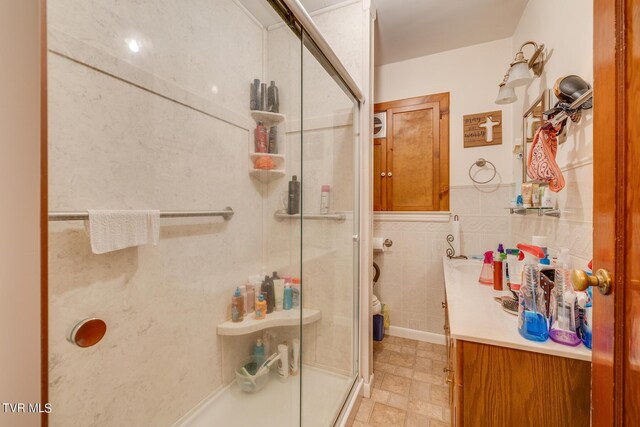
column 506, row 95
column 519, row 75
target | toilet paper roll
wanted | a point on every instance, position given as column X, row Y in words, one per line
column 455, row 232
column 378, row 244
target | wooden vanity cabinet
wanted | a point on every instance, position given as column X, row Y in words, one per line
column 499, row 386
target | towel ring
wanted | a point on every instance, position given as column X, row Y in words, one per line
column 482, row 163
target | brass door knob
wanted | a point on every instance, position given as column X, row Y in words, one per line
column 601, row 279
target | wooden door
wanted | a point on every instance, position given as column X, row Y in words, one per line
column 616, row 214
column 379, row 174
column 413, row 158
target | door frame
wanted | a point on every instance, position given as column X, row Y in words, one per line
column 615, row 146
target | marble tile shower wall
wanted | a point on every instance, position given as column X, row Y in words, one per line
column 412, row 279
column 156, row 136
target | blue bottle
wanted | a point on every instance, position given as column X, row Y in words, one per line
column 288, row 297
column 532, row 321
column 586, row 307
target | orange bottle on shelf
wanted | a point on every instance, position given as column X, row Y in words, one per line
column 261, row 308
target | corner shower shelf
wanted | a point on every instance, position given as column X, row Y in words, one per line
column 264, row 175
column 267, row 118
column 277, row 318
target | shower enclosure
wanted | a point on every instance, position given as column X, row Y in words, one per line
column 149, row 108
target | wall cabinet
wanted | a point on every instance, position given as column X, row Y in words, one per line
column 411, row 163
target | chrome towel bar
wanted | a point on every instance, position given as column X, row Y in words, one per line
column 280, row 215
column 226, row 213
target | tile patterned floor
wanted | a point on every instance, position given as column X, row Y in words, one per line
column 409, row 389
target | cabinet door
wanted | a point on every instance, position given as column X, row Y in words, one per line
column 379, row 174
column 413, row 158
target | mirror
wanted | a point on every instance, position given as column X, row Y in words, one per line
column 532, row 119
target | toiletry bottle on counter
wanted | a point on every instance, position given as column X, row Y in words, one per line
column 532, row 322
column 273, row 98
column 278, row 285
column 261, row 308
column 237, row 306
column 324, row 199
column 497, row 272
column 254, row 97
column 564, row 304
column 260, row 138
column 295, row 292
column 514, row 268
column 269, row 292
column 294, row 196
column 586, row 308
column 486, row 275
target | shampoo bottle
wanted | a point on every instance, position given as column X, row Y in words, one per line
column 260, row 138
column 258, row 348
column 251, row 298
column 564, row 304
column 288, row 297
column 283, row 363
column 269, row 292
column 294, row 196
column 254, row 97
column 324, row 199
column 273, row 140
column 295, row 292
column 261, row 308
column 273, row 98
column 532, row 322
column 237, row 306
column 278, row 285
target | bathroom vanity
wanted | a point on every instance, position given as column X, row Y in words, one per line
column 498, row 378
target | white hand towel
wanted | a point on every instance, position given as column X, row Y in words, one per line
column 111, row 230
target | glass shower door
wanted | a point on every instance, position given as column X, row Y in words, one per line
column 329, row 238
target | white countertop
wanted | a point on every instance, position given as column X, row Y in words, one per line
column 475, row 316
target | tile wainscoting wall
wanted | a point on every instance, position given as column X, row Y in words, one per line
column 411, row 280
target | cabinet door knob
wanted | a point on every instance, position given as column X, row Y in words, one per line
column 389, row 174
column 383, row 174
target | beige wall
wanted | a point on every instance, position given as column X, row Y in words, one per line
column 412, row 281
column 565, row 56
column 19, row 208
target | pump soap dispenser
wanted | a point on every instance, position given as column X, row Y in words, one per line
column 532, row 322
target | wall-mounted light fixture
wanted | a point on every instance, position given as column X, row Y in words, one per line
column 520, row 72
column 506, row 94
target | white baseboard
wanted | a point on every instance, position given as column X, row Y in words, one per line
column 367, row 386
column 396, row 331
